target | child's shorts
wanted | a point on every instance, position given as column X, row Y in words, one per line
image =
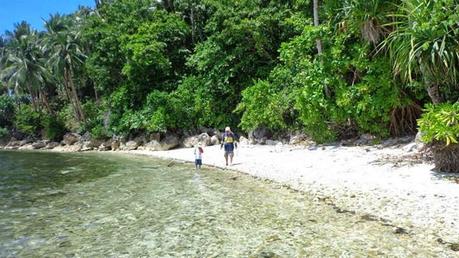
column 198, row 162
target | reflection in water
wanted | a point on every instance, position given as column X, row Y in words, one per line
column 114, row 205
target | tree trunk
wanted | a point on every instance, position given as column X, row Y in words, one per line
column 193, row 24
column 434, row 94
column 315, row 10
column 33, row 99
column 68, row 78
column 44, row 99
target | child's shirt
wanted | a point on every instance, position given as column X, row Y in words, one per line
column 198, row 153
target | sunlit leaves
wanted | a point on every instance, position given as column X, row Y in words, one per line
column 440, row 123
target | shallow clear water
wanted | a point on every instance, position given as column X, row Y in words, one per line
column 93, row 205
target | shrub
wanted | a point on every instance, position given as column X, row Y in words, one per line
column 6, row 110
column 440, row 127
column 99, row 132
column 53, row 127
column 440, row 123
column 27, row 120
column 3, row 132
column 66, row 115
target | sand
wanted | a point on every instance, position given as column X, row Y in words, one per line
column 373, row 181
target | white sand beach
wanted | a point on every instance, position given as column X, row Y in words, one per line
column 369, row 180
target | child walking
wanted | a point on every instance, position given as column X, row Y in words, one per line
column 198, row 151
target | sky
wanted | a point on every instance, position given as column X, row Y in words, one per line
column 32, row 11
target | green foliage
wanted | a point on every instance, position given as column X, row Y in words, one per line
column 424, row 46
column 131, row 67
column 27, row 120
column 53, row 127
column 344, row 89
column 66, row 115
column 3, row 133
column 6, row 110
column 263, row 106
column 440, row 123
column 99, row 132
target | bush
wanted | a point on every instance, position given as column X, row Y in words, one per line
column 6, row 110
column 99, row 132
column 53, row 127
column 263, row 105
column 27, row 120
column 66, row 115
column 440, row 128
column 3, row 133
column 440, row 123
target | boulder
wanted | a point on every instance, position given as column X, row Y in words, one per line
column 85, row 137
column 365, row 139
column 298, row 139
column 154, row 137
column 14, row 143
column 93, row 143
column 38, row 145
column 71, row 138
column 214, row 140
column 140, row 140
column 204, row 139
column 130, row 145
column 51, row 145
column 24, row 142
column 115, row 145
column 410, row 147
column 105, row 146
column 260, row 135
column 85, row 147
column 171, row 141
column 190, row 141
column 243, row 140
column 152, row 145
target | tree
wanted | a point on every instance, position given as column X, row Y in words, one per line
column 63, row 46
column 24, row 68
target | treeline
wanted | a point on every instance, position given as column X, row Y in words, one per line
column 333, row 69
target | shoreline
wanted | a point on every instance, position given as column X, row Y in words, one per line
column 379, row 183
column 365, row 180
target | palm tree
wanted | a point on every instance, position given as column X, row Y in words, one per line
column 424, row 45
column 23, row 65
column 65, row 53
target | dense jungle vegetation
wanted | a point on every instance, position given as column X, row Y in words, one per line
column 332, row 69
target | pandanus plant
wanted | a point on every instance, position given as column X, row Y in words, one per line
column 424, row 47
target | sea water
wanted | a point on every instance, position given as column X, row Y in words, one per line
column 118, row 205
